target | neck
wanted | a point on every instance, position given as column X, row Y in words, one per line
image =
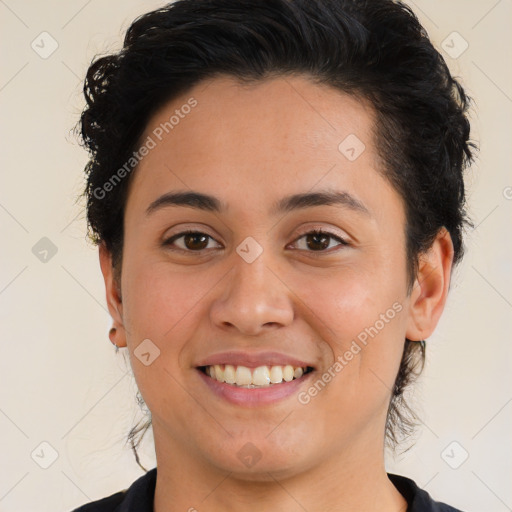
column 349, row 483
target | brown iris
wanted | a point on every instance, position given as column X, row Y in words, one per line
column 317, row 241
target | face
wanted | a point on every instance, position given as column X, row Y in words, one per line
column 296, row 258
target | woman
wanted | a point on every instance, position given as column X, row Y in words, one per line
column 276, row 189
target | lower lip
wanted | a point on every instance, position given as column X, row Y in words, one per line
column 255, row 396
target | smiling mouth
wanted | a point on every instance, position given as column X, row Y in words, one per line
column 251, row 378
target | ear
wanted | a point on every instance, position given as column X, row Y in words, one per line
column 431, row 286
column 113, row 295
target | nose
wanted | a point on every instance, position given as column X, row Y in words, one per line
column 254, row 299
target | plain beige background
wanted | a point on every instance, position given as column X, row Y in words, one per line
column 67, row 401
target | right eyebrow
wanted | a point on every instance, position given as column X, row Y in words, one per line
column 189, row 199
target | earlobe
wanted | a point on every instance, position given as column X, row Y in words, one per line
column 113, row 297
column 431, row 287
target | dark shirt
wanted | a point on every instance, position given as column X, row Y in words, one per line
column 139, row 497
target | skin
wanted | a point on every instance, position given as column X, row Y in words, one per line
column 250, row 146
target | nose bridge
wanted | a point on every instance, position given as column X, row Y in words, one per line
column 254, row 298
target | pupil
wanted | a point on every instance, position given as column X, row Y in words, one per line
column 318, row 238
column 190, row 240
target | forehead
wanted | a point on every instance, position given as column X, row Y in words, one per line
column 253, row 143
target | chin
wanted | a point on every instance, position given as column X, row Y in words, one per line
column 259, row 460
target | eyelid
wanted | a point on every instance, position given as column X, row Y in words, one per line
column 342, row 236
column 323, row 230
column 186, row 229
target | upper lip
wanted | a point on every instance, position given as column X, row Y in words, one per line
column 253, row 359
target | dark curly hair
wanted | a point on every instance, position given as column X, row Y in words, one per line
column 373, row 49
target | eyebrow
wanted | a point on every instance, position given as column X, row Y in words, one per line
column 200, row 201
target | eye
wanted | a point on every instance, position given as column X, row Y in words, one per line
column 318, row 240
column 192, row 241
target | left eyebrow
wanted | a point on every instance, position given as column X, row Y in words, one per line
column 200, row 201
column 322, row 198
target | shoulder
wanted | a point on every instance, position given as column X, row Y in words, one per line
column 418, row 499
column 104, row 505
column 138, row 498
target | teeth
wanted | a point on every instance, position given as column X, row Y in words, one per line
column 276, row 374
column 243, row 376
column 288, row 373
column 229, row 374
column 219, row 372
column 261, row 376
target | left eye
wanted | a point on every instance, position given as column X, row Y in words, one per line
column 319, row 241
column 314, row 241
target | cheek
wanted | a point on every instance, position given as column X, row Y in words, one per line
column 348, row 299
column 359, row 312
column 164, row 307
column 156, row 298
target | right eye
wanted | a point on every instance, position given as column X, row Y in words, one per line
column 189, row 241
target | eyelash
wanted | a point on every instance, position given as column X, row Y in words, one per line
column 172, row 239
